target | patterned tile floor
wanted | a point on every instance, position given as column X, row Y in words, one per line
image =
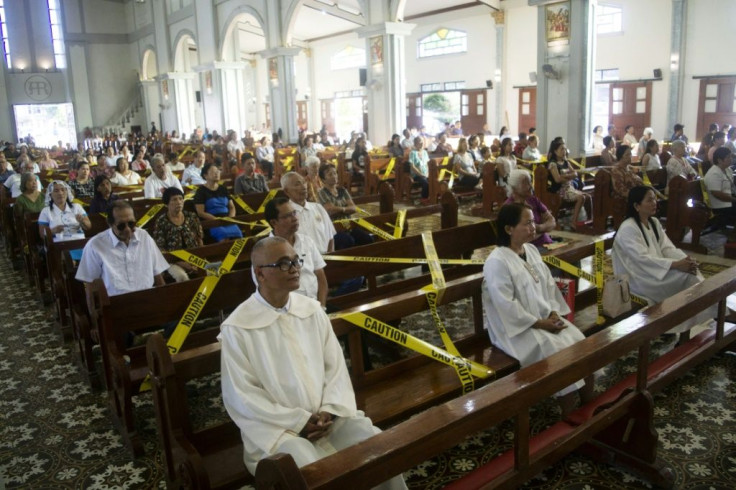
column 56, row 433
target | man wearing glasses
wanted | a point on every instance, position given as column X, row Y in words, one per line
column 125, row 257
column 284, row 379
column 281, row 215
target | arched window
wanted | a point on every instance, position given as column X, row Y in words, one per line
column 348, row 57
column 609, row 19
column 442, row 41
column 57, row 36
column 4, row 33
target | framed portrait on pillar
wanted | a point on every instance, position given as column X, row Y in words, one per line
column 165, row 89
column 273, row 70
column 557, row 23
column 208, row 81
column 376, row 50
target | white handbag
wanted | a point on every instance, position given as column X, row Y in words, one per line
column 616, row 296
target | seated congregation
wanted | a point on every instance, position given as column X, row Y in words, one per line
column 290, row 228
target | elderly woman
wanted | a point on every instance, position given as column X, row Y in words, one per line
column 265, row 156
column 506, row 161
column 523, row 308
column 520, row 185
column 418, row 165
column 103, row 197
column 177, row 229
column 656, row 269
column 650, row 156
column 596, row 141
column 308, row 150
column 124, row 175
column 646, row 137
column 623, row 178
column 677, row 164
column 339, row 205
column 212, row 201
column 561, row 177
column 314, row 183
column 82, row 185
column 464, row 165
column 61, row 214
column 46, row 162
column 31, row 200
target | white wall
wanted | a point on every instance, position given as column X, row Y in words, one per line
column 327, row 81
column 521, row 58
column 711, row 37
column 113, row 79
column 105, row 17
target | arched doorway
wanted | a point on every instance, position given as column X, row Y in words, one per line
column 186, row 85
column 149, row 89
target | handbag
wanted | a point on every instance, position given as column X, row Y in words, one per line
column 616, row 296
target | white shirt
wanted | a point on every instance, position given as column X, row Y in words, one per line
column 192, row 175
column 177, row 167
column 123, row 269
column 234, row 146
column 13, row 184
column 53, row 217
column 154, row 187
column 719, row 180
column 315, row 223
column 278, row 368
column 313, row 261
column 120, row 179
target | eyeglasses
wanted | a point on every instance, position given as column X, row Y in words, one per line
column 286, row 264
column 288, row 215
column 130, row 224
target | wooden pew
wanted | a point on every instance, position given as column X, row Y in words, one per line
column 605, row 422
column 382, row 393
column 494, row 195
column 681, row 216
column 552, row 200
column 375, row 173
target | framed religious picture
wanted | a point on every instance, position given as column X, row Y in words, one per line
column 273, row 71
column 557, row 25
column 376, row 50
column 208, row 81
column 165, row 89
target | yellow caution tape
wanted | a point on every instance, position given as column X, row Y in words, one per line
column 182, row 154
column 598, row 267
column 419, row 346
column 645, row 177
column 251, row 224
column 389, row 169
column 373, row 229
column 78, row 201
column 198, row 302
column 401, row 260
column 239, row 201
column 287, row 162
column 438, row 277
column 271, row 194
column 399, row 227
column 149, row 215
column 190, row 258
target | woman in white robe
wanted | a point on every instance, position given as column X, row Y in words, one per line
column 656, row 268
column 523, row 308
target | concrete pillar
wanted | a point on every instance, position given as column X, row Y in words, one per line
column 282, row 90
column 677, row 61
column 565, row 67
column 386, row 78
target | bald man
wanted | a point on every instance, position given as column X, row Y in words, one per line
column 284, row 379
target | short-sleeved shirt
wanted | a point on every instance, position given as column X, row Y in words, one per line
column 122, row 268
column 52, row 217
column 154, row 187
column 341, row 200
column 313, row 261
column 169, row 236
column 215, row 202
column 192, row 175
column 250, row 185
column 82, row 190
column 719, row 180
column 420, row 161
column 538, row 212
column 13, row 185
column 315, row 223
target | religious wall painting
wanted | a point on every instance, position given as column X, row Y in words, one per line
column 557, row 25
column 165, row 89
column 376, row 50
column 208, row 81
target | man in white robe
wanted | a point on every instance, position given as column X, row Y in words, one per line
column 284, row 379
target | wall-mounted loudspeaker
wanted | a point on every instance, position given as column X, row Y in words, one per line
column 533, row 76
column 363, row 76
column 657, row 73
column 489, row 84
column 198, row 96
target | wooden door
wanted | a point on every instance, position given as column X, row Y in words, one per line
column 327, row 109
column 630, row 103
column 716, row 104
column 301, row 115
column 527, row 109
column 473, row 110
column 413, row 111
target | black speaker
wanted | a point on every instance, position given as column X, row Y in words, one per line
column 657, row 73
column 198, row 95
column 489, row 83
column 363, row 76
